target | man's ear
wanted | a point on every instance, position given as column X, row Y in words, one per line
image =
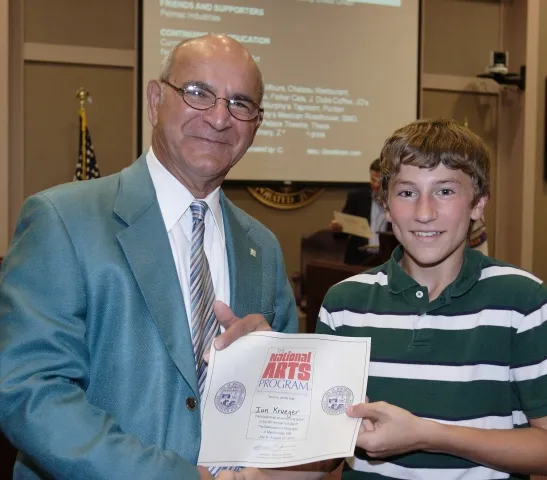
column 154, row 95
column 259, row 121
column 478, row 209
column 257, row 126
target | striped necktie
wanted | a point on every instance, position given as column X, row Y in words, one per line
column 202, row 296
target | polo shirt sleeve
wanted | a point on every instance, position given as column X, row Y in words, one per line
column 325, row 321
column 529, row 354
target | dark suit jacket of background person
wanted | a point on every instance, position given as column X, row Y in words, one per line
column 358, row 203
column 97, row 368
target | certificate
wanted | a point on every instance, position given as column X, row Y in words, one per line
column 277, row 400
column 353, row 224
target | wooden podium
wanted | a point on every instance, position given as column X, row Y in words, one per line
column 321, row 273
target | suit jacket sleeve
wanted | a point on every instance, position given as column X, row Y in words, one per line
column 358, row 202
column 44, row 367
column 285, row 316
column 348, row 205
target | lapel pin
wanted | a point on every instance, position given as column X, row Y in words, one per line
column 252, row 251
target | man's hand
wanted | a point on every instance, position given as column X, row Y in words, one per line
column 334, row 226
column 258, row 474
column 388, row 430
column 235, row 327
column 245, row 474
column 204, row 474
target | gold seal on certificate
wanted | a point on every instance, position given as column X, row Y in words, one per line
column 276, row 400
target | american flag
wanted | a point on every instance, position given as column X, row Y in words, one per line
column 86, row 153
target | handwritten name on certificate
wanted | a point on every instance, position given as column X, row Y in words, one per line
column 277, row 400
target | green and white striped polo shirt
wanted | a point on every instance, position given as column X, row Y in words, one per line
column 476, row 356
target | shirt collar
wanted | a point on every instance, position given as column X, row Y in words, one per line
column 399, row 280
column 174, row 198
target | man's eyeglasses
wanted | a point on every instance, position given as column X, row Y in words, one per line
column 201, row 98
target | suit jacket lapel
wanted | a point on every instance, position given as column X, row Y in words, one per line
column 244, row 261
column 146, row 246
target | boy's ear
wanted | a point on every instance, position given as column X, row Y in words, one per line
column 386, row 210
column 478, row 209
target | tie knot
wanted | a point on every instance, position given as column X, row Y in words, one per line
column 199, row 208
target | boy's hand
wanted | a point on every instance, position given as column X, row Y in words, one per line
column 388, row 430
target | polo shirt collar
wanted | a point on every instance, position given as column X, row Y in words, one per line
column 470, row 272
column 399, row 280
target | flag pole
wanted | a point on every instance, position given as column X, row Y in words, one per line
column 82, row 94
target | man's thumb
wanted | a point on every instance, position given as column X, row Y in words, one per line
column 223, row 313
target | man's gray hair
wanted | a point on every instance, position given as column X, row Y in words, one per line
column 168, row 60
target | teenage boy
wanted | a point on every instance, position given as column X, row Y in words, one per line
column 458, row 373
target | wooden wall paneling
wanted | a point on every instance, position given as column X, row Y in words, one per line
column 539, row 265
column 451, row 49
column 51, row 122
column 480, row 111
column 100, row 23
column 4, row 125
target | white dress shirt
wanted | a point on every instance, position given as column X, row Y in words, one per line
column 174, row 200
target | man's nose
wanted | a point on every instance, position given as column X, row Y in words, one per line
column 218, row 115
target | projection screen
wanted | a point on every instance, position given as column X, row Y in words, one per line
column 339, row 77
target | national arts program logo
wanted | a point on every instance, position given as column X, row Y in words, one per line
column 287, row 371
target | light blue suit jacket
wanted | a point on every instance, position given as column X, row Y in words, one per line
column 96, row 358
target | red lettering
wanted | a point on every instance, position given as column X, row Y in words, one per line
column 304, row 370
column 292, row 369
column 269, row 372
column 280, row 370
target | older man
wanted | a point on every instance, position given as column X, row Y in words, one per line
column 107, row 291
